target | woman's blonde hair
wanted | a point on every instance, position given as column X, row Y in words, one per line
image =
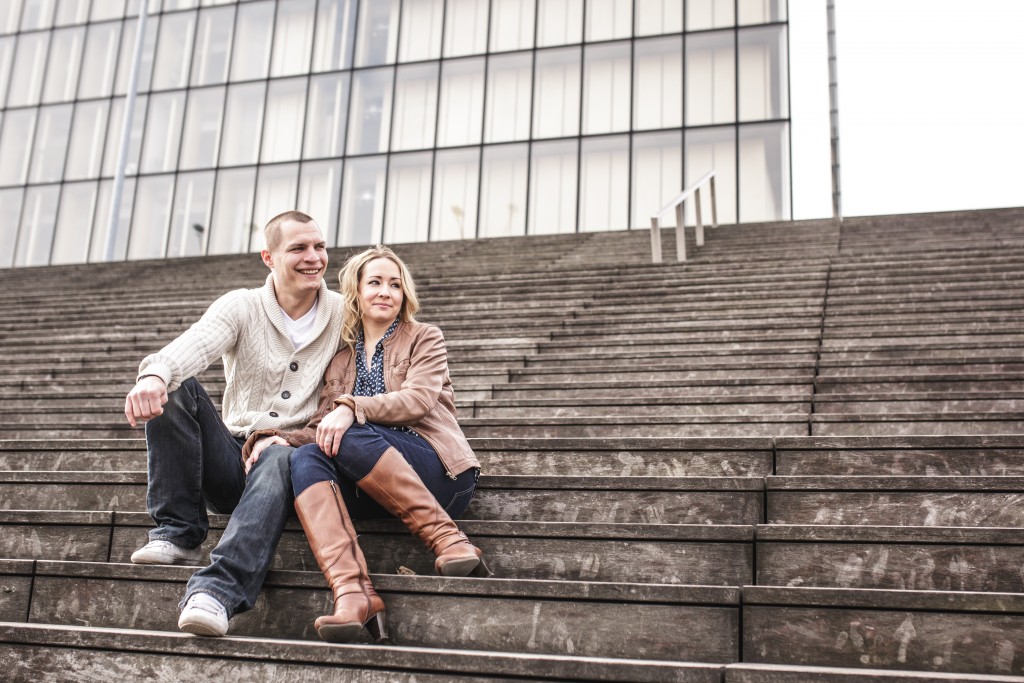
column 349, row 277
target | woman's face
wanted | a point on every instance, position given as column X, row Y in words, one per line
column 380, row 292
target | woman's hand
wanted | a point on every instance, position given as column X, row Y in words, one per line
column 261, row 446
column 332, row 428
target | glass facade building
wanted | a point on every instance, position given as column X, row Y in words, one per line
column 387, row 120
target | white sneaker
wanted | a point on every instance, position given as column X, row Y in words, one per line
column 204, row 616
column 165, row 552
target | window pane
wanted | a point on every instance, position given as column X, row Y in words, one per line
column 254, row 29
column 27, row 75
column 362, row 201
column 606, row 88
column 174, row 51
column 327, row 114
column 553, row 188
column 190, row 221
column 658, row 72
column 320, row 195
column 704, row 14
column 657, row 176
column 456, row 182
column 124, row 67
column 370, row 115
column 761, row 11
column 658, row 16
column 282, row 132
column 462, row 99
column 604, row 184
column 10, row 206
column 609, row 19
column 710, row 79
column 9, row 14
column 51, row 144
column 713, row 149
column 106, row 9
column 212, row 45
column 275, row 193
column 232, row 212
column 335, row 23
column 65, row 58
column 556, row 100
column 511, row 24
column 764, row 172
column 378, row 30
column 293, row 38
column 36, row 14
column 465, row 28
column 6, row 57
column 152, row 213
column 421, row 30
column 509, row 80
column 201, row 138
column 242, row 123
column 163, row 132
column 179, row 4
column 99, row 60
column 415, row 107
column 559, row 22
column 70, row 12
column 15, row 144
column 131, row 162
column 503, row 191
column 74, row 223
column 102, row 247
column 38, row 218
column 87, row 136
column 408, row 205
column 762, row 55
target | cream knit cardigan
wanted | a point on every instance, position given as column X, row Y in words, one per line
column 246, row 328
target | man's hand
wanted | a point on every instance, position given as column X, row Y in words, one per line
column 261, row 446
column 146, row 400
column 332, row 428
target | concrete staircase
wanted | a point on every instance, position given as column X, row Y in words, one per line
column 797, row 457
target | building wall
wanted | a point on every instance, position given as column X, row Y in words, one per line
column 387, row 120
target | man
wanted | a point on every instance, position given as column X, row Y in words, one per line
column 276, row 342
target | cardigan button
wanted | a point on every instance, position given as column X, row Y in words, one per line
column 294, row 366
column 273, row 414
column 286, row 394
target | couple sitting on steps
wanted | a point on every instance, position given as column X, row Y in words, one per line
column 327, row 395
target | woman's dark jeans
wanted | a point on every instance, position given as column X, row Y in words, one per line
column 360, row 450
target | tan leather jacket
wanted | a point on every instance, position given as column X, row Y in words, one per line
column 419, row 396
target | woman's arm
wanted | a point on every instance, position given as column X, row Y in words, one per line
column 419, row 392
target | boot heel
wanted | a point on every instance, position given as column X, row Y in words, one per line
column 482, row 570
column 377, row 625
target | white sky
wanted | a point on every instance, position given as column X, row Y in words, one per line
column 931, row 105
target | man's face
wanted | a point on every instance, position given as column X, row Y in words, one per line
column 299, row 260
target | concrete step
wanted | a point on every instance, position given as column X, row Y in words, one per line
column 636, row 621
column 795, row 383
column 911, row 423
column 955, row 632
column 961, row 501
column 93, row 653
column 778, row 424
column 612, row 499
column 634, row 406
column 779, row 673
column 890, row 557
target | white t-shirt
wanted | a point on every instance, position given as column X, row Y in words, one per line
column 301, row 331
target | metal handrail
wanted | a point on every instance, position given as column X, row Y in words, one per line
column 678, row 204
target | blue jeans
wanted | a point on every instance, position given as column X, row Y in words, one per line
column 195, row 463
column 360, row 450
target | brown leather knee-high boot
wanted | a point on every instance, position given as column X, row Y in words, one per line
column 332, row 537
column 394, row 484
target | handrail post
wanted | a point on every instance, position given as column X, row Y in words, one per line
column 699, row 232
column 680, row 233
column 655, row 241
column 714, row 205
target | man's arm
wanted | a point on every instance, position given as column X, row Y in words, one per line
column 146, row 400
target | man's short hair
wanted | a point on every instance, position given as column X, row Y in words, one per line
column 272, row 233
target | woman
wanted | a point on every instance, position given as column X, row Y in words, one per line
column 385, row 426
